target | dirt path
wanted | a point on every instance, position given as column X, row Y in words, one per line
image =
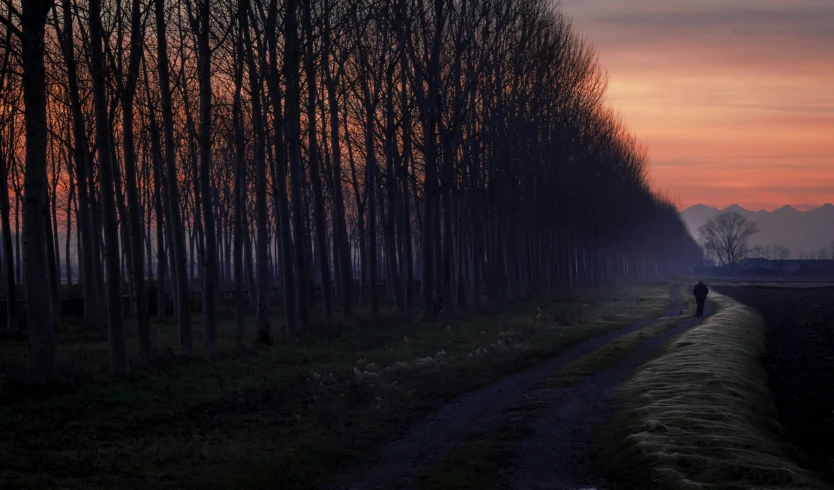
column 398, row 463
column 556, row 455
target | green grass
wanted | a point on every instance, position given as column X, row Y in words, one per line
column 473, row 465
column 278, row 417
column 700, row 416
column 615, row 351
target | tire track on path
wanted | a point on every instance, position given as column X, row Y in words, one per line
column 557, row 455
column 398, row 463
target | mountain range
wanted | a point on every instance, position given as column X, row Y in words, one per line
column 802, row 232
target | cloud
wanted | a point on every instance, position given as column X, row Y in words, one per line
column 730, row 97
column 740, row 25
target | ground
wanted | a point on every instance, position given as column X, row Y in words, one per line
column 533, row 429
column 509, row 401
column 280, row 417
column 800, row 365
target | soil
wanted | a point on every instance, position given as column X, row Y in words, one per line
column 556, row 453
column 800, row 365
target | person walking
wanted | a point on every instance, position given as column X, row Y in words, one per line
column 700, row 291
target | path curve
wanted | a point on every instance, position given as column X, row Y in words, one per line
column 556, row 456
column 397, row 463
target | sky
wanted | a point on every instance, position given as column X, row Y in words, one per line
column 733, row 98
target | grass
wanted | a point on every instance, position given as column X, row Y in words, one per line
column 700, row 415
column 615, row 351
column 475, row 463
column 278, row 417
column 776, row 284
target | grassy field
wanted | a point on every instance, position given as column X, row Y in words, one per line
column 278, row 417
column 700, row 415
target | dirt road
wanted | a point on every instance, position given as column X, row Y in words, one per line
column 553, row 456
column 556, row 455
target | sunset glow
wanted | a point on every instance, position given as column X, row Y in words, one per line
column 735, row 100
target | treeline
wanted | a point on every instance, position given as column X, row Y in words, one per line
column 451, row 155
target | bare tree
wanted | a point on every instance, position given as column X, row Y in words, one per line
column 293, row 108
column 5, row 174
column 458, row 127
column 172, row 193
column 726, row 236
column 118, row 339
column 30, row 33
column 781, row 252
column 262, row 247
column 201, row 25
column 240, row 183
column 279, row 174
column 127, row 90
column 87, row 260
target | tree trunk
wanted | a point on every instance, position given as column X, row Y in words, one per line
column 35, row 211
column 161, row 256
column 134, row 213
column 92, row 306
column 279, row 172
column 293, row 105
column 340, row 239
column 407, row 258
column 209, row 270
column 8, row 253
column 391, row 188
column 239, row 184
column 370, row 258
column 313, row 157
column 118, row 344
column 54, row 271
column 178, row 239
column 70, row 199
column 262, row 245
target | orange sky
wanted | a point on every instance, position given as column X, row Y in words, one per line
column 734, row 98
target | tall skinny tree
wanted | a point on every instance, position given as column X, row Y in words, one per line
column 202, row 27
column 87, row 260
column 262, row 245
column 313, row 157
column 293, row 109
column 128, row 94
column 118, row 340
column 39, row 319
column 173, row 204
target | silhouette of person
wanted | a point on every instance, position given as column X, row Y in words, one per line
column 700, row 291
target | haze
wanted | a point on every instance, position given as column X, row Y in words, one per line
column 733, row 99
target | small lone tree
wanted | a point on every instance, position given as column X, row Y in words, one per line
column 781, row 252
column 725, row 237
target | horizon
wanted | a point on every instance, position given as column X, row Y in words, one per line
column 802, row 208
column 731, row 100
column 354, row 243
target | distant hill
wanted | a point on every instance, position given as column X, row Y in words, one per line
column 803, row 232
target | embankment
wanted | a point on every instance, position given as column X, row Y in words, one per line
column 700, row 416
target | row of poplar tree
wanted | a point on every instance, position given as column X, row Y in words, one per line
column 441, row 153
